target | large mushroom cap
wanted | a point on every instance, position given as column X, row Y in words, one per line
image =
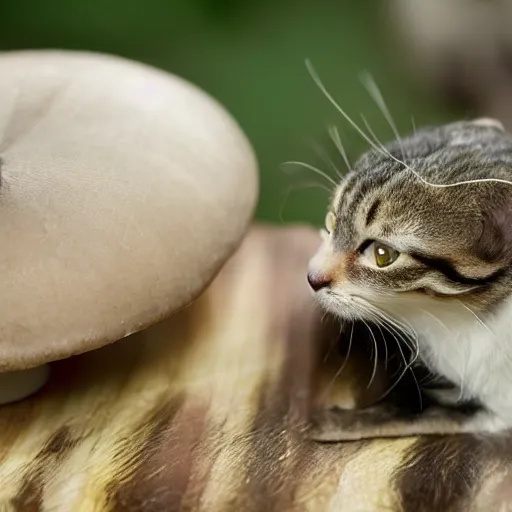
column 123, row 191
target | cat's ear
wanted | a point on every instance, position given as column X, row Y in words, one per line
column 495, row 242
column 489, row 122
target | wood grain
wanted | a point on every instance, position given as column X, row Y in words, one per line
column 207, row 411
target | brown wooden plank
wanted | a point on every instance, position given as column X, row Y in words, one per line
column 207, row 412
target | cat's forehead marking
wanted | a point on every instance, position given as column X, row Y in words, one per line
column 343, row 191
column 380, row 199
column 337, row 195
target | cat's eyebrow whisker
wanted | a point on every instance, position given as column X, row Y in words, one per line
column 328, row 95
column 465, row 182
column 383, row 150
column 423, row 180
column 413, row 123
column 388, row 154
column 377, row 141
column 335, row 136
column 373, row 90
column 379, row 148
column 325, row 157
column 314, row 169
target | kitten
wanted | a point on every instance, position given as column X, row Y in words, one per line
column 404, row 251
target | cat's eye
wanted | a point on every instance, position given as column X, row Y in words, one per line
column 330, row 222
column 384, row 255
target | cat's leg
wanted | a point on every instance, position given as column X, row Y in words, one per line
column 386, row 421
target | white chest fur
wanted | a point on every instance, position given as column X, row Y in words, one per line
column 474, row 355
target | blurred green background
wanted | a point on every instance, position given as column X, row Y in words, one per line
column 250, row 55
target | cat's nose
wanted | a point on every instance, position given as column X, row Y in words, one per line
column 318, row 281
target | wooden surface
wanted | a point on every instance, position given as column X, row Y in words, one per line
column 207, row 412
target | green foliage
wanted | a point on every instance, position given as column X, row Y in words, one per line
column 250, row 55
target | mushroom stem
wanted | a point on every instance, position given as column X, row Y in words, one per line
column 15, row 386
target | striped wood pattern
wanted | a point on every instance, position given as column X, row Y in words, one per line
column 206, row 412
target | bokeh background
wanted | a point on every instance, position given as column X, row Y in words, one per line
column 250, row 55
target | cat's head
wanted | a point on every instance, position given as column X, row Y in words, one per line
column 396, row 244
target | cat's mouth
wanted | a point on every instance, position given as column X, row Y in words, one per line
column 346, row 306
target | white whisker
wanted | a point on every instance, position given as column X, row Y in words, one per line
column 408, row 366
column 376, row 358
column 479, row 320
column 335, row 136
column 349, row 347
column 386, row 354
column 434, row 317
column 420, row 396
column 465, row 182
column 328, row 95
column 387, row 323
column 314, row 169
column 372, row 133
column 342, row 367
column 399, row 327
column 383, row 150
column 326, row 158
column 395, row 328
column 375, row 93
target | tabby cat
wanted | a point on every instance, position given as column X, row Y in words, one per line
column 418, row 240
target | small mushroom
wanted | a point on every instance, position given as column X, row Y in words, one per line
column 123, row 190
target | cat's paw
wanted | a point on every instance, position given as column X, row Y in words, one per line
column 338, row 425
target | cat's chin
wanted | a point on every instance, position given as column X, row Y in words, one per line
column 342, row 309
